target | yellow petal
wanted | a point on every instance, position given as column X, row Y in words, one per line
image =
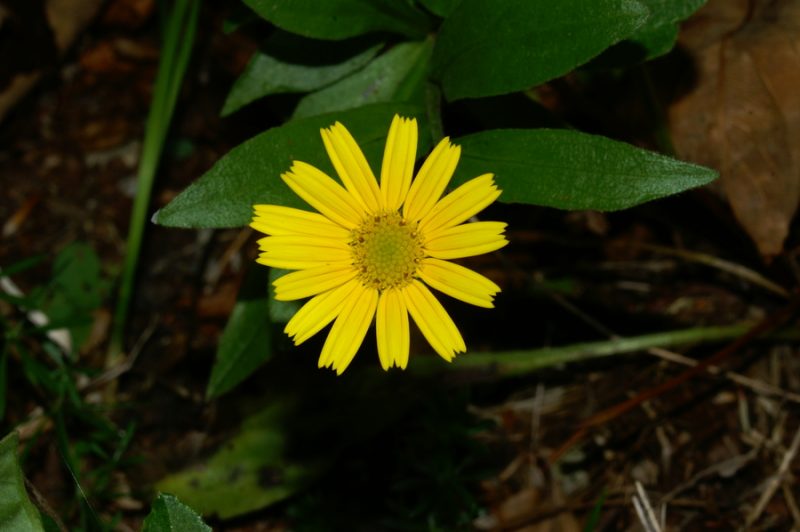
column 279, row 220
column 306, row 251
column 324, row 194
column 391, row 330
column 318, row 246
column 398, row 161
column 286, row 264
column 349, row 329
column 432, row 179
column 466, row 240
column 352, row 167
column 433, row 321
column 318, row 312
column 458, row 282
column 462, row 203
column 312, row 281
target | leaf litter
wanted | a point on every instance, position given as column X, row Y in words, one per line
column 743, row 114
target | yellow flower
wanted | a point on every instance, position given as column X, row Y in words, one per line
column 372, row 248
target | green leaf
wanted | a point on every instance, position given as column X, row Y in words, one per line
column 339, row 19
column 289, row 64
column 489, row 48
column 238, row 17
column 250, row 173
column 572, row 170
column 17, row 512
column 246, row 340
column 294, row 431
column 168, row 514
column 249, row 472
column 654, row 38
column 76, row 290
column 668, row 11
column 397, row 75
column 657, row 36
column 653, row 42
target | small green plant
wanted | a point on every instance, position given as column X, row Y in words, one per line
column 43, row 332
column 362, row 63
column 19, row 514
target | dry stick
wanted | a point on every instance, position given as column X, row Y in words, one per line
column 788, row 496
column 776, row 480
column 736, row 463
column 727, row 266
column 772, row 321
column 44, row 506
column 644, row 509
column 742, row 380
column 215, row 272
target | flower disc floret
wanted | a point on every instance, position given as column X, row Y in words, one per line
column 386, row 251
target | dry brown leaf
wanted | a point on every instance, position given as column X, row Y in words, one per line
column 515, row 512
column 743, row 116
column 67, row 18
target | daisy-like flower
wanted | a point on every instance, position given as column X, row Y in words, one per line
column 372, row 248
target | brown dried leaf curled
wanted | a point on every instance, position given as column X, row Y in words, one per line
column 743, row 116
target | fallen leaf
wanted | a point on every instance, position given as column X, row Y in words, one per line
column 743, row 115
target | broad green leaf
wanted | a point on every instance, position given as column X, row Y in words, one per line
column 249, row 472
column 289, row 64
column 17, row 512
column 572, row 170
column 238, row 17
column 654, row 42
column 490, row 48
column 168, row 514
column 395, row 76
column 654, row 38
column 250, row 173
column 246, row 342
column 668, row 11
column 292, row 433
column 657, row 36
column 339, row 19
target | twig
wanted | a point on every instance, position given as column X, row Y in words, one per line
column 768, row 324
column 42, row 503
column 644, row 510
column 748, row 382
column 126, row 364
column 720, row 264
column 214, row 271
column 788, row 496
column 775, row 481
column 735, row 463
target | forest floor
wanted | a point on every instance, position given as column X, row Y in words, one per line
column 588, row 441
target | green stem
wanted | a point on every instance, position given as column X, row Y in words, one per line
column 181, row 29
column 520, row 362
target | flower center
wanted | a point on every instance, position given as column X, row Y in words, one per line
column 386, row 251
